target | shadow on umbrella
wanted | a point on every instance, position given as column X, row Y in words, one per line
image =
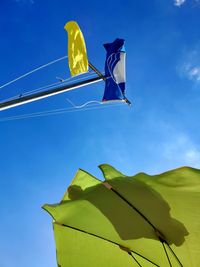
column 148, row 210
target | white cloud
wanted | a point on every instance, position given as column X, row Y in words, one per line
column 182, row 150
column 194, row 73
column 179, row 2
column 189, row 66
column 191, row 71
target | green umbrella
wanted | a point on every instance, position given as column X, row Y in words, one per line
column 124, row 221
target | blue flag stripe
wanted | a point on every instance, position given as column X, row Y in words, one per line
column 114, row 68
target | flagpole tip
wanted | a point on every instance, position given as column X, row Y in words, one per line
column 127, row 101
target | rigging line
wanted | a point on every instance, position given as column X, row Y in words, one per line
column 92, row 73
column 35, row 114
column 54, row 112
column 35, row 90
column 95, row 102
column 32, row 71
column 65, row 81
column 85, row 104
column 44, row 94
column 103, row 238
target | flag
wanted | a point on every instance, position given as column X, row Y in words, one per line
column 77, row 54
column 115, row 71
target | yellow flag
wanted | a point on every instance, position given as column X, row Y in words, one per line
column 77, row 54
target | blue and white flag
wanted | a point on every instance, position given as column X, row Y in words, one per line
column 115, row 71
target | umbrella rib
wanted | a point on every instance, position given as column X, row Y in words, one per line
column 174, row 254
column 105, row 239
column 131, row 205
column 166, row 254
column 134, row 259
column 157, row 232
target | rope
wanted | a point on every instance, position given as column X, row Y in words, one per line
column 85, row 104
column 51, row 86
column 65, row 81
column 32, row 71
column 32, row 91
column 53, row 112
column 95, row 101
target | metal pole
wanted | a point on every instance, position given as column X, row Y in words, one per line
column 96, row 70
column 58, row 90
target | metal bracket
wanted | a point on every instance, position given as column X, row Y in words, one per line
column 107, row 185
column 125, row 249
column 159, row 235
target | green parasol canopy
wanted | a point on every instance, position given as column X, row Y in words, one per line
column 142, row 220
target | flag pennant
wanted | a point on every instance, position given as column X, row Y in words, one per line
column 77, row 54
column 115, row 71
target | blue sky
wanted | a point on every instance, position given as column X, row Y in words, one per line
column 39, row 156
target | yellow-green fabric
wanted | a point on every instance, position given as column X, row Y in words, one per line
column 77, row 54
column 92, row 221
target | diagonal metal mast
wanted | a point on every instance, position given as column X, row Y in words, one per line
column 58, row 90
